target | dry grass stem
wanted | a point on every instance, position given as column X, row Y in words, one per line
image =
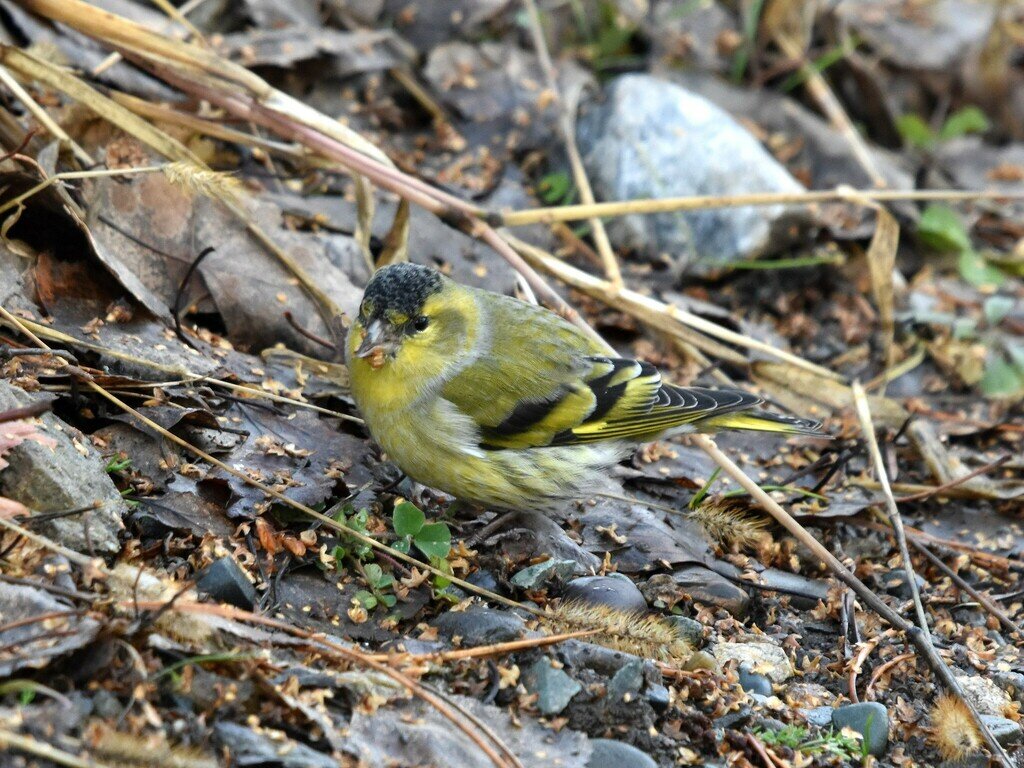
column 566, row 123
column 705, row 202
column 820, row 91
column 43, row 117
column 14, row 741
column 923, row 638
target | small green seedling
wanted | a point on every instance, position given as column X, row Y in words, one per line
column 432, row 539
column 380, row 585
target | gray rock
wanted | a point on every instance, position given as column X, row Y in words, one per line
column 1010, row 681
column 653, row 139
column 758, row 658
column 411, row 732
column 484, row 579
column 536, row 576
column 659, row 697
column 532, row 535
column 480, row 626
column 1007, row 732
column 896, row 582
column 937, row 39
column 579, row 654
column 554, row 688
column 751, row 682
column 870, row 719
column 697, row 584
column 627, row 681
column 63, row 472
column 224, row 581
column 689, row 629
column 978, row 760
column 987, row 697
column 820, row 717
column 614, row 590
column 246, row 747
column 616, row 754
column 804, row 593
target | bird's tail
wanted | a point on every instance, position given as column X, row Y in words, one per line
column 763, row 421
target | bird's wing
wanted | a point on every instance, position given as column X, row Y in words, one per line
column 547, row 387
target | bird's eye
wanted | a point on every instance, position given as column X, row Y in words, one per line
column 421, row 323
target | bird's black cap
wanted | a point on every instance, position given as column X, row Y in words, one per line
column 401, row 288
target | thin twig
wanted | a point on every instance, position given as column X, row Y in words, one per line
column 939, row 489
column 820, row 91
column 566, row 123
column 923, row 635
column 26, row 411
column 978, row 595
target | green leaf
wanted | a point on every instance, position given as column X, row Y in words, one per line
column 996, row 308
column 338, row 553
column 978, row 272
column 434, row 540
column 359, row 520
column 964, row 121
column 554, row 187
column 443, row 565
column 366, row 599
column 402, row 545
column 964, row 328
column 915, row 131
column 941, row 228
column 388, row 600
column 1002, row 379
column 408, row 519
column 374, row 573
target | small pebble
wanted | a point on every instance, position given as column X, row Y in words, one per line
column 1007, row 732
column 608, row 753
column 870, row 719
column 554, row 688
column 614, row 590
column 751, row 682
column 536, row 576
column 224, row 581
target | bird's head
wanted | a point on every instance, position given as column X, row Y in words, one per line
column 411, row 320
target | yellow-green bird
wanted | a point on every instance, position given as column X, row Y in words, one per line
column 505, row 404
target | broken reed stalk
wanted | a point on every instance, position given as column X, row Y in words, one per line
column 566, row 123
column 652, row 311
column 454, row 211
column 922, row 637
column 579, row 212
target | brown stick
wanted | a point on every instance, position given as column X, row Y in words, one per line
column 26, row 411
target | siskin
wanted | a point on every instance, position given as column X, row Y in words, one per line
column 506, row 404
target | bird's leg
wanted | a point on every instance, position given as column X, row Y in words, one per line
column 501, row 521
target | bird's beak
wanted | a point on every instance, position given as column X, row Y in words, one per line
column 376, row 344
